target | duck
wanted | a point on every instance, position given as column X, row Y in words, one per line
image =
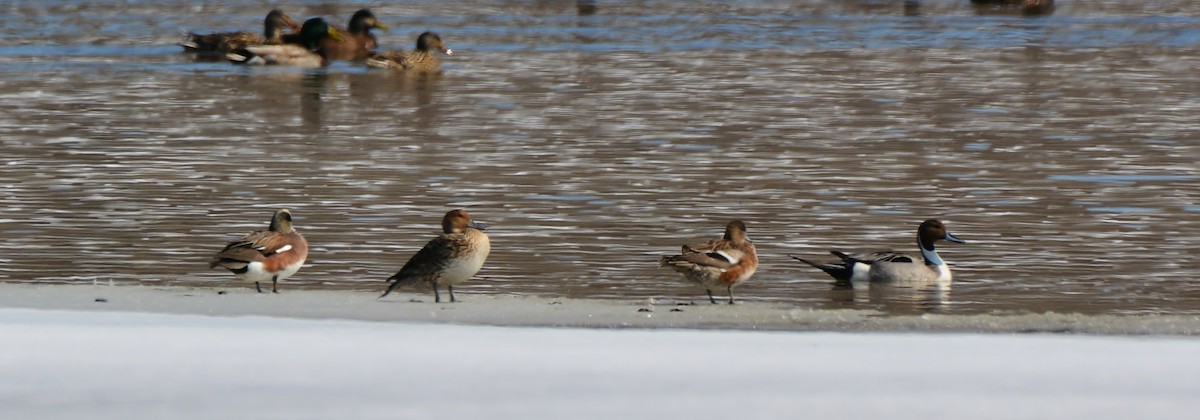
column 1024, row 7
column 305, row 52
column 892, row 267
column 359, row 42
column 719, row 263
column 273, row 254
column 224, row 42
column 419, row 60
column 449, row 259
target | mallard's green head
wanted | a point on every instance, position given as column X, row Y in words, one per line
column 314, row 30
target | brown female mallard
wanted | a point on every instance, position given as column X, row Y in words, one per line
column 359, row 42
column 224, row 42
column 419, row 60
column 307, row 53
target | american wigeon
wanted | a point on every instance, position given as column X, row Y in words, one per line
column 720, row 263
column 273, row 254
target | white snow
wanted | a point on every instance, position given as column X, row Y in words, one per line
column 119, row 365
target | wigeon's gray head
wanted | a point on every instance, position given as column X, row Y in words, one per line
column 735, row 230
column 282, row 221
column 933, row 230
column 458, row 221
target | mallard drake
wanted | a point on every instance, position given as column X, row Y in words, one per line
column 273, row 254
column 891, row 267
column 306, row 52
column 359, row 41
column 449, row 259
column 719, row 263
column 224, row 42
column 420, row 60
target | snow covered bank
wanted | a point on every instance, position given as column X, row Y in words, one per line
column 112, row 365
column 504, row 310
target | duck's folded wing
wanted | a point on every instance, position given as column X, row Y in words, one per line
column 720, row 260
column 870, row 257
column 387, row 60
column 702, row 247
column 285, row 54
column 430, row 260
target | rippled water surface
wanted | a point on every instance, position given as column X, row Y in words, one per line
column 1063, row 148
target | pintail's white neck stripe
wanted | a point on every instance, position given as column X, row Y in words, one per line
column 931, row 257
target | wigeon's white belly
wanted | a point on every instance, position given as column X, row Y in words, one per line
column 256, row 272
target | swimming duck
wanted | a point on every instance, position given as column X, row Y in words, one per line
column 890, row 267
column 306, row 52
column 273, row 254
column 419, row 60
column 224, row 42
column 450, row 259
column 359, row 42
column 719, row 263
column 1025, row 7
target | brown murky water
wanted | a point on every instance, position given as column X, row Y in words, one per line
column 1062, row 148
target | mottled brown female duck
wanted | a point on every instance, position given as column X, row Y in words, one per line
column 223, row 42
column 419, row 60
column 307, row 53
column 359, row 41
column 449, row 259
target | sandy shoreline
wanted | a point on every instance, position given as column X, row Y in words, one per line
column 508, row 310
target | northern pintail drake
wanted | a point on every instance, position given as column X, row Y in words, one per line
column 890, row 267
column 305, row 52
column 719, row 263
column 420, row 60
column 224, row 42
column 449, row 259
column 358, row 41
column 273, row 254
